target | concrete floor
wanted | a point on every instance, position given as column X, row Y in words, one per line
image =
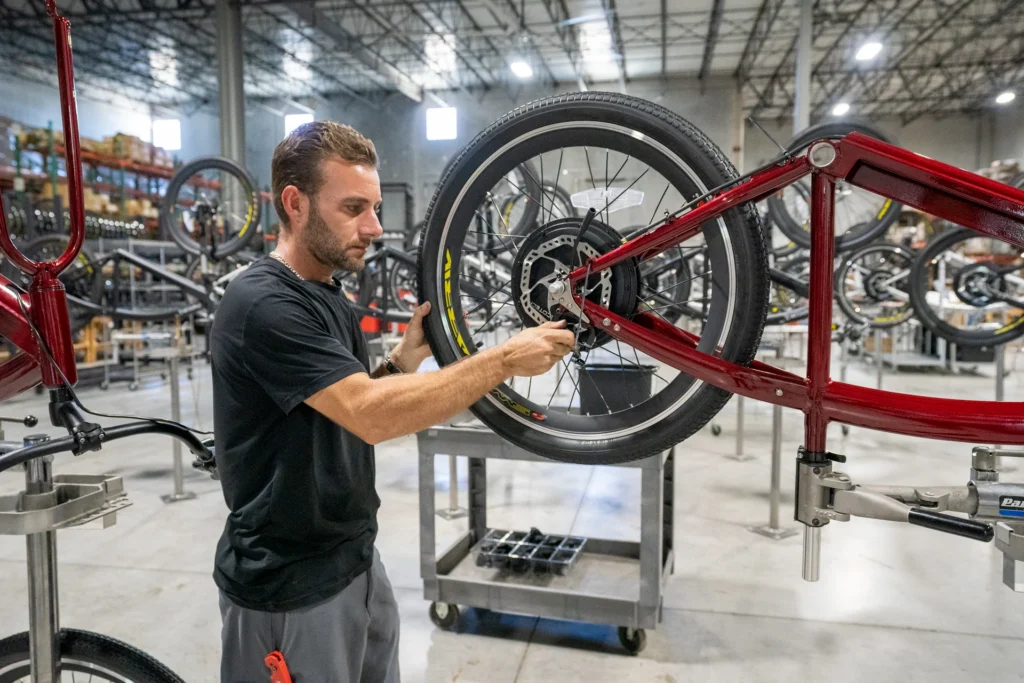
column 895, row 603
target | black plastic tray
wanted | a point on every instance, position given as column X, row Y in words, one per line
column 526, row 551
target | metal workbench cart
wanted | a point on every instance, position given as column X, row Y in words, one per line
column 618, row 583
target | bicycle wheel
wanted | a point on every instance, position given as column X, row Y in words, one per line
column 872, row 286
column 85, row 656
column 402, row 287
column 212, row 205
column 82, row 279
column 664, row 162
column 860, row 216
column 969, row 289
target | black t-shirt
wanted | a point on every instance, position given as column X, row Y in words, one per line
column 300, row 488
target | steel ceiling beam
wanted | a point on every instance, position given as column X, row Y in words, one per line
column 664, row 38
column 559, row 14
column 714, row 22
column 458, row 39
column 842, row 85
column 397, row 78
column 323, row 73
column 418, row 52
column 612, row 17
column 921, row 39
column 767, row 13
column 520, row 22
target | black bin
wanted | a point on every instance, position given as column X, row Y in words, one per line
column 613, row 387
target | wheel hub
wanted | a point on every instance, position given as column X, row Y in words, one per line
column 540, row 288
column 875, row 285
column 975, row 285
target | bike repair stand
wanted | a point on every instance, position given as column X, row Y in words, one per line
column 173, row 356
column 47, row 504
column 772, row 530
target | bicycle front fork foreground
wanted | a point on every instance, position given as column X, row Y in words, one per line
column 994, row 509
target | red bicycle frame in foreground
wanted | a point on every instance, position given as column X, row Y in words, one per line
column 984, row 205
column 45, row 303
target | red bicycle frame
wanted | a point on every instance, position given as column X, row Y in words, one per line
column 45, row 304
column 984, row 205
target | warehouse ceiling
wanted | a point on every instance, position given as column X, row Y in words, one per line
column 938, row 56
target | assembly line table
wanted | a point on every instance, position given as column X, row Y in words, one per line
column 618, row 583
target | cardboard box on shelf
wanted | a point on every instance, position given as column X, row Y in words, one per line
column 869, row 344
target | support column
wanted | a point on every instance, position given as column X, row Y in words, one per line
column 802, row 99
column 230, row 80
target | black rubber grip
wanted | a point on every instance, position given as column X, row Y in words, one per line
column 968, row 528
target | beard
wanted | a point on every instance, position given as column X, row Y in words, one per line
column 325, row 247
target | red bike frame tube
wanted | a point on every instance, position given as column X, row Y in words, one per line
column 49, row 309
column 819, row 314
column 688, row 225
column 926, row 417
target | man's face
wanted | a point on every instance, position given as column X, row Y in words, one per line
column 342, row 218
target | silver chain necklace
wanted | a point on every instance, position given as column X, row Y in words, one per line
column 280, row 259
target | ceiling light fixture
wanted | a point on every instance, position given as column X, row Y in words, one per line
column 521, row 69
column 840, row 109
column 1006, row 97
column 868, row 51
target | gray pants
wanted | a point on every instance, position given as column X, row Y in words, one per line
column 350, row 638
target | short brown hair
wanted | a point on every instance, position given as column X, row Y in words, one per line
column 297, row 158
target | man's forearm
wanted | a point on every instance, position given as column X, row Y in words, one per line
column 406, row 404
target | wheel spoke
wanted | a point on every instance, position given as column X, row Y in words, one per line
column 576, row 387
column 660, row 200
column 558, row 173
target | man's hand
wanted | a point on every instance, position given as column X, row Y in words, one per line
column 413, row 349
column 535, row 350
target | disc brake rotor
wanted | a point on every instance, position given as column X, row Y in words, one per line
column 543, row 261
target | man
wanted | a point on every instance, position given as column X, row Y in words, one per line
column 296, row 414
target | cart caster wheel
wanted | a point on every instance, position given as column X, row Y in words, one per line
column 444, row 615
column 39, row 388
column 189, row 374
column 716, row 430
column 133, row 386
column 104, row 385
column 846, row 430
column 633, row 639
column 163, row 376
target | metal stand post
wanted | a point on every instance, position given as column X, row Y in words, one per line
column 773, row 530
column 43, row 613
column 453, row 511
column 812, row 553
column 879, row 362
column 179, row 472
column 1000, row 370
column 739, row 454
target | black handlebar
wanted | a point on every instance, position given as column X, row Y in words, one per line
column 67, row 443
column 968, row 528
